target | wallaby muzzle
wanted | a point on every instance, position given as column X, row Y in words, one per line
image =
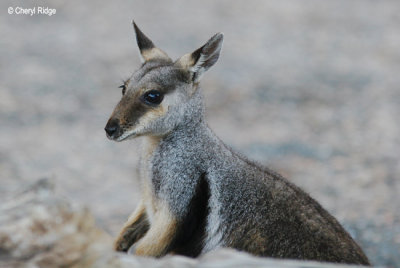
column 113, row 129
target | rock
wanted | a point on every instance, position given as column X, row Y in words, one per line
column 38, row 228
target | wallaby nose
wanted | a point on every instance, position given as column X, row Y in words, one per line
column 112, row 127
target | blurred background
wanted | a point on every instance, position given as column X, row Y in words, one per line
column 308, row 88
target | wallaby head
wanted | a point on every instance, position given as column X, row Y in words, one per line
column 156, row 98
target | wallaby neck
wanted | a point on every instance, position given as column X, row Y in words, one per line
column 192, row 116
column 194, row 111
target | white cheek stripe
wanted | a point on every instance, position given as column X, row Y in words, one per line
column 132, row 132
column 125, row 135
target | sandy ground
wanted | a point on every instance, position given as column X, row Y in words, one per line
column 309, row 88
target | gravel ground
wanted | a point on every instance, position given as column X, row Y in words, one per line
column 309, row 88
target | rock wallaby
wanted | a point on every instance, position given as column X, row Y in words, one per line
column 197, row 193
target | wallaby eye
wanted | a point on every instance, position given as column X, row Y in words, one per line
column 153, row 97
column 123, row 89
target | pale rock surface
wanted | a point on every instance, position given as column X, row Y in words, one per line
column 38, row 228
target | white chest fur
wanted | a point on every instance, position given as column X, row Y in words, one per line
column 148, row 147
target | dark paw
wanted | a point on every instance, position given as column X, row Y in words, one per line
column 125, row 240
column 121, row 245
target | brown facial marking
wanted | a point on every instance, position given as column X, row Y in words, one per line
column 129, row 110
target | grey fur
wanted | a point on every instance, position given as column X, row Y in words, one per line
column 249, row 207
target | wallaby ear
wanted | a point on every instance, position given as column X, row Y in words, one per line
column 147, row 50
column 203, row 58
